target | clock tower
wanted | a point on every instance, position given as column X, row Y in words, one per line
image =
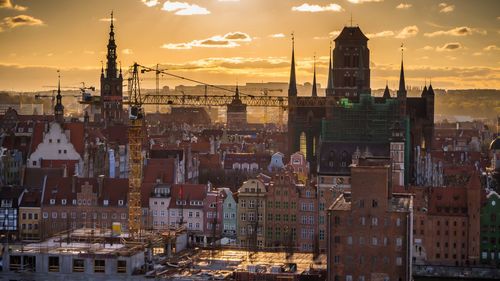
column 111, row 84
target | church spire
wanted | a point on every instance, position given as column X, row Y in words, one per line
column 314, row 89
column 292, row 87
column 111, row 71
column 329, row 87
column 59, row 108
column 387, row 93
column 402, row 87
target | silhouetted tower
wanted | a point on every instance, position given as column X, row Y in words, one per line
column 329, row 84
column 351, row 65
column 111, row 84
column 428, row 95
column 59, row 107
column 314, row 89
column 401, row 93
column 292, row 100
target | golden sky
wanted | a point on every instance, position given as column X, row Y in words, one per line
column 454, row 43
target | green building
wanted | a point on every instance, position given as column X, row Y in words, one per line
column 490, row 230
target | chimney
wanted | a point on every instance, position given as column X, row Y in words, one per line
column 100, row 181
column 73, row 183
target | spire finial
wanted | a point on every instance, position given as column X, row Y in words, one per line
column 58, row 81
column 351, row 18
column 111, row 19
column 102, row 67
column 293, row 40
column 402, row 51
column 120, row 67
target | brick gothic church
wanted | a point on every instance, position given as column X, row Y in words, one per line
column 348, row 123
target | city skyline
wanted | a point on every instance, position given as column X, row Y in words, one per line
column 453, row 43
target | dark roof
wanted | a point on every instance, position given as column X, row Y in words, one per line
column 351, row 33
column 34, row 177
column 339, row 152
column 31, row 198
column 61, row 188
column 13, row 193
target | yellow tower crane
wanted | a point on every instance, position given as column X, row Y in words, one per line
column 135, row 138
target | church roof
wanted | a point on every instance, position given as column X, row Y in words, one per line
column 351, row 33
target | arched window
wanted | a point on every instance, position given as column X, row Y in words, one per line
column 303, row 144
column 344, row 159
column 331, row 159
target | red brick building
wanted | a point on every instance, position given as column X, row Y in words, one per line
column 72, row 202
column 447, row 225
column 370, row 229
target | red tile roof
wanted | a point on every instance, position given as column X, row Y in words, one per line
column 59, row 188
column 188, row 192
column 163, row 169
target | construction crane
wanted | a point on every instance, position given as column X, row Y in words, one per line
column 135, row 138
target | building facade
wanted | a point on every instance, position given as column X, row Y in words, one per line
column 490, row 226
column 251, row 214
column 370, row 228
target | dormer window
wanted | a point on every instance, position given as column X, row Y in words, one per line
column 52, row 201
column 120, row 202
column 63, row 201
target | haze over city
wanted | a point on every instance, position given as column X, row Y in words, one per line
column 454, row 43
column 237, row 140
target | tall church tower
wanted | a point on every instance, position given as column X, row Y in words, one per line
column 111, row 84
column 351, row 66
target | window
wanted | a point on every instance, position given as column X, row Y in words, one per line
column 99, row 266
column 120, row 202
column 321, row 234
column 374, row 241
column 349, row 240
column 121, row 266
column 63, row 201
column 53, row 264
column 398, row 222
column 399, row 261
column 243, row 203
column 78, row 265
column 243, row 216
column 399, row 242
column 52, row 201
column 45, row 215
column 336, row 259
column 374, row 221
column 374, row 203
column 106, row 202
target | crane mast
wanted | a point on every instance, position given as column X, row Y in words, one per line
column 135, row 138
